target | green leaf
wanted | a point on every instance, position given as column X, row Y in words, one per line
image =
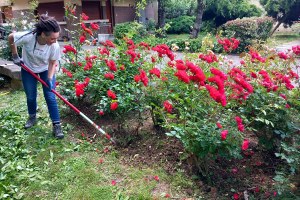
column 267, row 122
column 2, row 176
column 277, row 154
column 51, row 156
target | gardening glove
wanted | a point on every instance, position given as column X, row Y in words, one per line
column 49, row 83
column 16, row 59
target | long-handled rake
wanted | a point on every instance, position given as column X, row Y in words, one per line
column 69, row 104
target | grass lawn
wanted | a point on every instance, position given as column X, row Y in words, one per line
column 77, row 167
column 178, row 36
column 282, row 38
column 183, row 36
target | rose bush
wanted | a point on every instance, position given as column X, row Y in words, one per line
column 105, row 77
column 203, row 99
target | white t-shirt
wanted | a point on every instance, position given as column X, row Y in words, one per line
column 37, row 59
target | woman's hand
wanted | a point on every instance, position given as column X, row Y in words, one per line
column 49, row 82
column 16, row 59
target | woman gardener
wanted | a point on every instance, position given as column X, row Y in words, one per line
column 40, row 52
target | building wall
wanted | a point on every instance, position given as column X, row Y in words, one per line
column 123, row 14
column 124, row 11
column 5, row 3
column 92, row 9
column 149, row 13
column 151, row 10
column 20, row 5
column 55, row 9
column 124, row 3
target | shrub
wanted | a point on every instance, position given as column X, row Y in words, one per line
column 222, row 11
column 271, row 121
column 181, row 24
column 152, row 40
column 203, row 100
column 248, row 30
column 150, row 25
column 131, row 30
column 192, row 116
column 187, row 45
column 176, row 8
column 25, row 23
column 105, row 79
column 208, row 26
column 5, row 50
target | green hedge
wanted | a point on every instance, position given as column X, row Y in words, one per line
column 248, row 30
column 132, row 30
column 190, row 45
column 5, row 50
column 182, row 24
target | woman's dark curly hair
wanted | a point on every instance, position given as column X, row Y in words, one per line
column 47, row 25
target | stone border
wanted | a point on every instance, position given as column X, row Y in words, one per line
column 13, row 71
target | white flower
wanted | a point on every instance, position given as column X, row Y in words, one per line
column 175, row 48
column 23, row 22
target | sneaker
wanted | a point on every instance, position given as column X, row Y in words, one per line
column 57, row 132
column 30, row 122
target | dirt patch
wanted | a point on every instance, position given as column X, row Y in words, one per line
column 149, row 147
column 252, row 175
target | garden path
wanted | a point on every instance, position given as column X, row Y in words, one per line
column 283, row 47
column 235, row 58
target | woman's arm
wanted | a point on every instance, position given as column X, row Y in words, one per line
column 51, row 69
column 12, row 45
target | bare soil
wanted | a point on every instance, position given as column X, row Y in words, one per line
column 252, row 175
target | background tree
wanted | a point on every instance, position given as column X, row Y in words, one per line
column 221, row 11
column 198, row 21
column 139, row 5
column 161, row 13
column 175, row 8
column 217, row 12
column 283, row 11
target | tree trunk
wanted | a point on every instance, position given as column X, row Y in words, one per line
column 276, row 27
column 161, row 13
column 198, row 21
column 280, row 21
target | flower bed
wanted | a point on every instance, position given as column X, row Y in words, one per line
column 203, row 100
